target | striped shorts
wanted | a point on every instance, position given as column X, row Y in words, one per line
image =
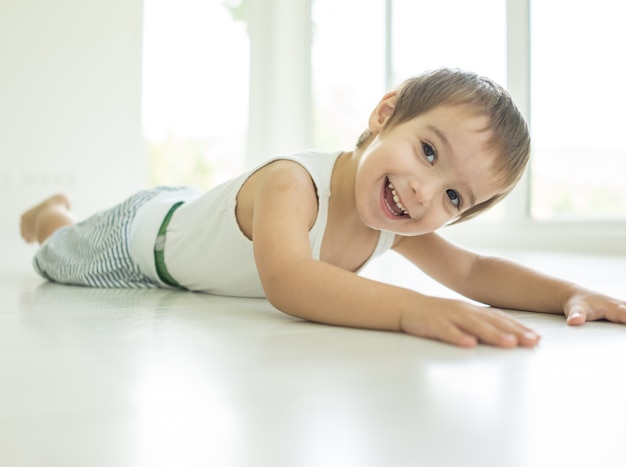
column 96, row 252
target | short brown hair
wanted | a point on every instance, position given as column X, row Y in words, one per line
column 447, row 86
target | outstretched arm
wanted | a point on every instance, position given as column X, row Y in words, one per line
column 285, row 207
column 504, row 284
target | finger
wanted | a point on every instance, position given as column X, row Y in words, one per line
column 576, row 314
column 488, row 333
column 453, row 335
column 525, row 336
column 528, row 338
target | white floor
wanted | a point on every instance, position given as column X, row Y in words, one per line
column 118, row 378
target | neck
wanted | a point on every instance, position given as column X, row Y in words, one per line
column 342, row 200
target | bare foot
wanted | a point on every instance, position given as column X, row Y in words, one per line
column 31, row 219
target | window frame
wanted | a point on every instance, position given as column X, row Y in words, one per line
column 519, row 230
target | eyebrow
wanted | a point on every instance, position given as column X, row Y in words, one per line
column 440, row 135
column 446, row 143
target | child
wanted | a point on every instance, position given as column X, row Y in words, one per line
column 440, row 149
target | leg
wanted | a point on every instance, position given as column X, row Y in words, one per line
column 39, row 222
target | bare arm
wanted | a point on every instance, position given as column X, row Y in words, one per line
column 284, row 209
column 505, row 284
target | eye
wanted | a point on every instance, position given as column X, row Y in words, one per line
column 429, row 153
column 455, row 198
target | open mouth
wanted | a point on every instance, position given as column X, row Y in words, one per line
column 392, row 200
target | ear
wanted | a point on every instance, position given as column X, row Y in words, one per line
column 382, row 112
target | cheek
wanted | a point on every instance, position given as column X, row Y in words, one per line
column 367, row 202
column 366, row 183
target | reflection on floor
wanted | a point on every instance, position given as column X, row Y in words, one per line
column 161, row 378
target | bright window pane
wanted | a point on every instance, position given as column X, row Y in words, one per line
column 348, row 68
column 453, row 33
column 578, row 102
column 195, row 90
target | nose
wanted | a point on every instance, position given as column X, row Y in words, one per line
column 424, row 191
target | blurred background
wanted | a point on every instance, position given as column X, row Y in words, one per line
column 101, row 98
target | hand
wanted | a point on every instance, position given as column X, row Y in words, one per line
column 464, row 324
column 590, row 306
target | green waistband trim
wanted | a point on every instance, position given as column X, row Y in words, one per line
column 159, row 249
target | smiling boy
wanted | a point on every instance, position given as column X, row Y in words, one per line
column 441, row 148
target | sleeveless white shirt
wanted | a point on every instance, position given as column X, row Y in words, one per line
column 205, row 250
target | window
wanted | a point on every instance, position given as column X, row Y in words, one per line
column 195, row 91
column 349, row 63
column 577, row 110
column 347, row 69
column 452, row 33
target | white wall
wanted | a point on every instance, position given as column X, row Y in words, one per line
column 70, row 108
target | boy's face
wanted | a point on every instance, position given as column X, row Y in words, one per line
column 419, row 175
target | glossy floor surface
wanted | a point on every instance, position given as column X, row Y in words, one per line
column 134, row 378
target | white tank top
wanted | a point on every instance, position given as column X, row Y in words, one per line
column 205, row 251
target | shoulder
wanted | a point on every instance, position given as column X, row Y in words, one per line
column 283, row 174
column 279, row 192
